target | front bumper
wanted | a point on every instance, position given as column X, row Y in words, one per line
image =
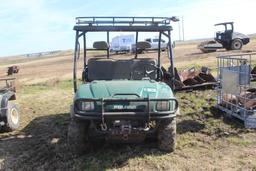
column 145, row 115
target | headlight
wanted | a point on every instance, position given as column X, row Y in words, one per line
column 85, row 106
column 163, row 106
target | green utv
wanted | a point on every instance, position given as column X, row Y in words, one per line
column 122, row 100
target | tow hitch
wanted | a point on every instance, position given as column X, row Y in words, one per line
column 125, row 131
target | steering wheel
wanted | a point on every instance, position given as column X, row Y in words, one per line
column 145, row 70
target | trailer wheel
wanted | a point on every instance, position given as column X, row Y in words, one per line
column 12, row 118
column 167, row 135
column 237, row 44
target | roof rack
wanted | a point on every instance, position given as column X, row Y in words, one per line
column 125, row 21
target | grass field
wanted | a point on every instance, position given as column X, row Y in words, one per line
column 206, row 140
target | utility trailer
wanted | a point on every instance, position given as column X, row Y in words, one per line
column 236, row 92
column 122, row 43
column 9, row 112
column 227, row 39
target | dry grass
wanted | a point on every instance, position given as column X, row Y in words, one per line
column 36, row 70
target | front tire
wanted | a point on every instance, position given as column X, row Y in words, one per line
column 12, row 118
column 167, row 135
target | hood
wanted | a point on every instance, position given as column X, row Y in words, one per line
column 239, row 35
column 124, row 89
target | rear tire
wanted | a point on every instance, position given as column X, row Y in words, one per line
column 167, row 135
column 12, row 118
column 237, row 44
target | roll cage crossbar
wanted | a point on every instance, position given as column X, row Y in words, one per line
column 122, row 24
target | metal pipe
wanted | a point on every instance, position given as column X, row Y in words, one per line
column 183, row 33
column 81, row 34
column 165, row 34
column 159, row 53
column 108, row 44
column 171, row 68
column 136, row 50
column 75, row 62
column 85, row 51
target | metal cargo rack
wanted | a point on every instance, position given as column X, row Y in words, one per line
column 236, row 93
column 124, row 24
column 124, row 21
column 7, row 84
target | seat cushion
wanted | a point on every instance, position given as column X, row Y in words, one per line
column 100, row 69
column 122, row 69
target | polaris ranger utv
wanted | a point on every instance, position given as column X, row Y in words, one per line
column 122, row 100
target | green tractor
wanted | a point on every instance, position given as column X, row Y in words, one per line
column 122, row 100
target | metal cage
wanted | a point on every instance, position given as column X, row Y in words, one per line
column 236, row 91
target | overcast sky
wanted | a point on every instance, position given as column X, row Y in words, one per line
column 28, row 26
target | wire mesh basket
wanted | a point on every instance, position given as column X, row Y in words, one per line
column 237, row 91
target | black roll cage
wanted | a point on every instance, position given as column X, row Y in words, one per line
column 226, row 25
column 122, row 24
